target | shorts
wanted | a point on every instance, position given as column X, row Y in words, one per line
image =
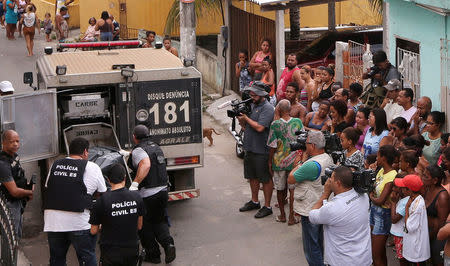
column 436, row 247
column 29, row 31
column 280, row 180
column 256, row 166
column 398, row 242
column 380, row 219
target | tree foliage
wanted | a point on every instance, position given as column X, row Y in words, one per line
column 202, row 8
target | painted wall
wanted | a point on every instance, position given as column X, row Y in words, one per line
column 144, row 14
column 151, row 14
column 44, row 6
column 429, row 28
column 351, row 11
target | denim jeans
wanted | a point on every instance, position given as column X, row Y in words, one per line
column 82, row 241
column 312, row 236
column 15, row 208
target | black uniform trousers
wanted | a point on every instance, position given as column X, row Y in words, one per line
column 155, row 227
column 118, row 256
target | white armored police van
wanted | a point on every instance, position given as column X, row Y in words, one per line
column 101, row 96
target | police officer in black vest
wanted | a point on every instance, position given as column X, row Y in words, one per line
column 70, row 186
column 149, row 166
column 12, row 177
column 120, row 213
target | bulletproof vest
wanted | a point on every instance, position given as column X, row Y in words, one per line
column 17, row 172
column 157, row 175
column 66, row 190
column 373, row 96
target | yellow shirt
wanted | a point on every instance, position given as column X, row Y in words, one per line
column 381, row 180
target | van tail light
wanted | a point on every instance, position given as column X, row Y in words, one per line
column 183, row 160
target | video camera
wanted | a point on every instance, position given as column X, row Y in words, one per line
column 363, row 180
column 332, row 144
column 240, row 107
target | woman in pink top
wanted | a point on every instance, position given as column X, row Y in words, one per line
column 258, row 57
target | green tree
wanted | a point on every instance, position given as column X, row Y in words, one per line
column 202, row 8
column 377, row 6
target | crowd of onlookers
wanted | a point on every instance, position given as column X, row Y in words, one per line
column 398, row 136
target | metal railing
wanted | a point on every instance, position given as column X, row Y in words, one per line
column 409, row 68
column 127, row 33
column 355, row 61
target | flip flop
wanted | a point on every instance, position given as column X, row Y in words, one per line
column 278, row 219
column 296, row 221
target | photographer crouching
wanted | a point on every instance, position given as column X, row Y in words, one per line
column 308, row 189
column 256, row 167
column 345, row 220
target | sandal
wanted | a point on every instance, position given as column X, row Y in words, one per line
column 278, row 219
column 296, row 221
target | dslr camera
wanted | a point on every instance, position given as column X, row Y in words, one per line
column 363, row 180
column 332, row 143
column 373, row 71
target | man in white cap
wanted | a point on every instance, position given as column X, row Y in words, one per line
column 390, row 105
column 6, row 88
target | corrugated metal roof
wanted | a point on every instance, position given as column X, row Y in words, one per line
column 83, row 62
column 267, row 2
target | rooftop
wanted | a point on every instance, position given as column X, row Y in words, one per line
column 102, row 61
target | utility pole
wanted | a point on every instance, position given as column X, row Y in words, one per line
column 331, row 15
column 187, row 30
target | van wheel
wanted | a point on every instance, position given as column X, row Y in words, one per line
column 239, row 151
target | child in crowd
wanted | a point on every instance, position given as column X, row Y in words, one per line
column 370, row 162
column 416, row 245
column 48, row 26
column 242, row 69
column 398, row 205
column 150, row 39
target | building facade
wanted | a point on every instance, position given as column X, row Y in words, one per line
column 417, row 33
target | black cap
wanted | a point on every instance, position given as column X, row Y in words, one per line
column 117, row 173
column 140, row 132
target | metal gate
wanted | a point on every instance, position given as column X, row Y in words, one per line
column 409, row 68
column 354, row 60
column 247, row 31
column 445, row 79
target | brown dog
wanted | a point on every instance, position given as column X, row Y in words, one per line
column 207, row 133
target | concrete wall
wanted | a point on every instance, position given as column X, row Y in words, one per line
column 429, row 28
column 212, row 70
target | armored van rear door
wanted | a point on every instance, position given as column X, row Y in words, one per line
column 34, row 117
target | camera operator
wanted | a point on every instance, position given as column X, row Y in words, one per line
column 382, row 71
column 13, row 179
column 256, row 158
column 307, row 191
column 345, row 220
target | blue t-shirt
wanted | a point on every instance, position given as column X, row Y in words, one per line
column 372, row 143
column 10, row 16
